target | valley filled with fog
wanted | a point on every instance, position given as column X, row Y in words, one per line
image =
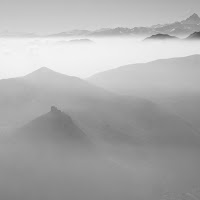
column 84, row 57
column 99, row 119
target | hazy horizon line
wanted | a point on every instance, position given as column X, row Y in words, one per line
column 37, row 34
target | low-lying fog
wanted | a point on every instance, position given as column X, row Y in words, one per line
column 83, row 58
column 35, row 173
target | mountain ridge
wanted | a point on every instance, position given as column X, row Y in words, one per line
column 194, row 36
column 171, row 83
column 178, row 28
column 161, row 37
column 55, row 127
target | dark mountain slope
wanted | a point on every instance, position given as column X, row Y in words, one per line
column 160, row 37
column 194, row 36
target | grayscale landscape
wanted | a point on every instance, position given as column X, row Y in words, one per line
column 99, row 107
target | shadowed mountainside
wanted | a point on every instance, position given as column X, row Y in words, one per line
column 160, row 37
column 172, row 83
column 53, row 126
column 194, row 36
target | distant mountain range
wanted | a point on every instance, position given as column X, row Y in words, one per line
column 165, row 37
column 182, row 29
column 179, row 29
column 75, row 42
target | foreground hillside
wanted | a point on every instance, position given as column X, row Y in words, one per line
column 140, row 150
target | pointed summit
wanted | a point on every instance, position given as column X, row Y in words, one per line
column 49, row 80
column 194, row 16
column 42, row 70
column 55, row 110
column 193, row 19
column 55, row 127
column 44, row 75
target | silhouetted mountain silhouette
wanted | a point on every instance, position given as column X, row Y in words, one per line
column 194, row 36
column 45, row 76
column 161, row 37
column 55, row 126
column 41, row 73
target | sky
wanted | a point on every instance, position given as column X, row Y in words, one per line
column 51, row 16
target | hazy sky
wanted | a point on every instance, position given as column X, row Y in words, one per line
column 46, row 16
